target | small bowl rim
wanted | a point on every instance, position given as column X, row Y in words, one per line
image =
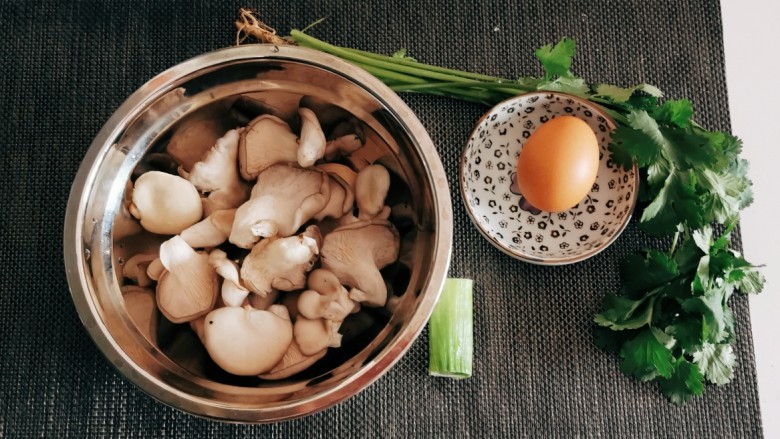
column 566, row 260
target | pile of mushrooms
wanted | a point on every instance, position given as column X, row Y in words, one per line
column 310, row 237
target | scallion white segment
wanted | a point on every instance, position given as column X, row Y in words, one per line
column 451, row 331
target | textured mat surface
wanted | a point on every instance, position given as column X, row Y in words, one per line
column 67, row 65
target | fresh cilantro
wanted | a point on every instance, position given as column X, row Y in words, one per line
column 647, row 355
column 716, row 362
column 557, row 59
column 685, row 382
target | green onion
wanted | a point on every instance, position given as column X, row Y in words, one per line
column 451, row 331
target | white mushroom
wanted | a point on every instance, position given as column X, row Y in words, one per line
column 217, row 175
column 371, row 187
column 267, row 140
column 356, row 252
column 326, row 298
column 315, row 335
column 292, row 362
column 165, row 204
column 140, row 306
column 187, row 288
column 211, row 231
column 233, row 292
column 246, row 341
column 311, row 145
column 280, row 263
column 283, row 199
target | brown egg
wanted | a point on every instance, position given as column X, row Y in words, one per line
column 558, row 164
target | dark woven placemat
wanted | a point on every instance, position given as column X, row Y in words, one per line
column 66, row 66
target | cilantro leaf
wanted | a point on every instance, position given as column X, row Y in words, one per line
column 688, row 255
column 647, row 355
column 620, row 95
column 716, row 362
column 676, row 202
column 556, row 60
column 685, row 148
column 752, row 282
column 717, row 318
column 685, row 382
column 688, row 332
column 724, row 193
column 621, row 313
column 644, row 273
column 566, row 84
column 629, row 145
column 675, row 112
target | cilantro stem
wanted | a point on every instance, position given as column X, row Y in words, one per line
column 674, row 243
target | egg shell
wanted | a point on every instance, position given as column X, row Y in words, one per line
column 558, row 164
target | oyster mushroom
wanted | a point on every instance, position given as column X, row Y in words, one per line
column 193, row 138
column 259, row 302
column 314, row 335
column 311, row 145
column 356, row 252
column 281, row 263
column 371, row 187
column 217, row 175
column 283, row 199
column 267, row 140
column 135, row 268
column 211, row 231
column 246, row 341
column 341, row 200
column 165, row 204
column 187, row 288
column 346, row 138
column 292, row 362
column 326, row 298
column 233, row 292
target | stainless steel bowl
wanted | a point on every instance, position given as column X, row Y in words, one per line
column 169, row 369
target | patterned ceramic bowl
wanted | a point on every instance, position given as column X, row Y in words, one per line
column 487, row 181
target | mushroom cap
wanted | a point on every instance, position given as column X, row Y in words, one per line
column 217, row 175
column 267, row 140
column 187, row 289
column 192, row 139
column 165, row 204
column 371, row 187
column 246, row 341
column 311, row 144
column 314, row 335
column 280, row 263
column 211, row 231
column 283, row 199
column 356, row 252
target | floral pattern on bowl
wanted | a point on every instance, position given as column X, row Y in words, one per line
column 492, row 199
